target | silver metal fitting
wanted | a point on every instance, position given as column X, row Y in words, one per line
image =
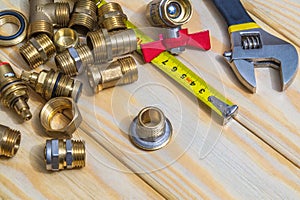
column 9, row 141
column 65, row 38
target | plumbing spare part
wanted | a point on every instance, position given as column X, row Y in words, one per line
column 111, row 17
column 65, row 38
column 37, row 50
column 66, row 107
column 253, row 47
column 9, row 141
column 122, row 71
column 64, row 154
column 50, row 84
column 18, row 19
column 13, row 91
column 107, row 46
column 74, row 61
column 150, row 130
column 45, row 14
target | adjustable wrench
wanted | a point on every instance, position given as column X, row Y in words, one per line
column 253, row 47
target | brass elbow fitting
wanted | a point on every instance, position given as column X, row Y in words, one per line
column 9, row 141
column 106, row 46
column 64, row 154
column 50, row 84
column 123, row 71
column 38, row 50
column 73, row 61
column 44, row 14
column 13, row 91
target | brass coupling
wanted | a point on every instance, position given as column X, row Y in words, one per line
column 111, row 17
column 74, row 61
column 122, row 71
column 106, row 46
column 13, row 91
column 38, row 50
column 65, row 38
column 64, row 154
column 9, row 141
column 50, row 84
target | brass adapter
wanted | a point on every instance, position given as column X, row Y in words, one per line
column 44, row 14
column 106, row 46
column 64, row 154
column 38, row 50
column 13, row 91
column 50, row 84
column 123, row 71
column 9, row 141
column 73, row 61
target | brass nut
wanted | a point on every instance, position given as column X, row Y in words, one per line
column 65, row 106
column 65, row 38
column 9, row 141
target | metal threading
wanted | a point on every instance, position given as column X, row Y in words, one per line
column 9, row 141
column 65, row 38
column 38, row 50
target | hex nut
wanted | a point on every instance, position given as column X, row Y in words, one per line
column 74, row 54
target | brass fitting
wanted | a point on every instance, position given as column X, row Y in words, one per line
column 64, row 154
column 38, row 50
column 123, row 71
column 111, row 17
column 84, row 16
column 50, row 84
column 44, row 14
column 13, row 91
column 106, row 46
column 9, row 141
column 74, row 61
column 65, row 38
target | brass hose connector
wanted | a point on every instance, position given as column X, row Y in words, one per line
column 44, row 14
column 38, row 50
column 64, row 154
column 50, row 84
column 123, row 71
column 84, row 16
column 13, row 91
column 74, row 61
column 9, row 141
column 106, row 46
column 65, row 38
column 111, row 17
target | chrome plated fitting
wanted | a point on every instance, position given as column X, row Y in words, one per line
column 65, row 38
column 64, row 154
column 74, row 61
column 9, row 141
column 50, row 84
column 123, row 71
column 106, row 46
column 13, row 91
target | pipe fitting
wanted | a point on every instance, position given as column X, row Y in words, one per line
column 50, row 84
column 65, row 38
column 74, row 61
column 123, row 71
column 38, row 50
column 64, row 154
column 13, row 91
column 9, row 141
column 107, row 46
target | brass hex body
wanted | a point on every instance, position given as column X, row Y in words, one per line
column 64, row 154
column 50, row 84
column 13, row 91
column 74, row 61
column 9, row 141
column 44, row 14
column 106, row 46
column 38, row 50
column 123, row 71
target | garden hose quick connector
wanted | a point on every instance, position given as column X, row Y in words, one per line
column 9, row 141
column 13, row 91
column 65, row 38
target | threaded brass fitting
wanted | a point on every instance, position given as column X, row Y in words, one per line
column 13, row 91
column 73, row 61
column 111, row 16
column 64, row 154
column 84, row 16
column 51, row 84
column 65, row 38
column 123, row 71
column 38, row 50
column 9, row 141
column 106, row 46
